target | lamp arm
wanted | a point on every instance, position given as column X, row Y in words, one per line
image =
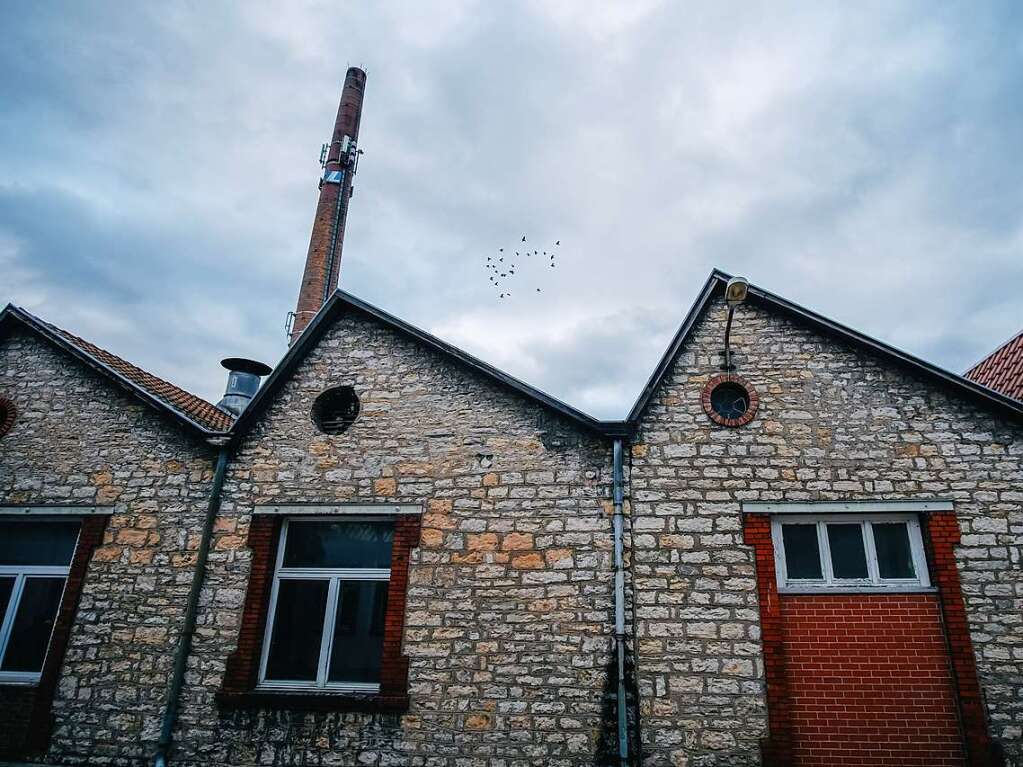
column 728, row 332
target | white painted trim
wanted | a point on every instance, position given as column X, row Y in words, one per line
column 334, row 576
column 371, row 509
column 841, row 507
column 828, row 584
column 21, row 573
column 74, row 511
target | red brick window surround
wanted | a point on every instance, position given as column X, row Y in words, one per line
column 26, row 719
column 895, row 667
column 249, row 678
column 732, row 380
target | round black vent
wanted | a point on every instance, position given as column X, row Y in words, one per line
column 336, row 409
column 7, row 415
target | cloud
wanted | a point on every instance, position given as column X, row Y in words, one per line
column 159, row 173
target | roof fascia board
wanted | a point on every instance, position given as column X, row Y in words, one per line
column 32, row 323
column 829, row 327
column 340, row 300
column 905, row 359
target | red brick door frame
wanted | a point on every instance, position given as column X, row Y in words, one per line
column 941, row 534
column 242, row 672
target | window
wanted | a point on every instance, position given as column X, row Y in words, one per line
column 8, row 412
column 35, row 557
column 325, row 627
column 335, row 410
column 875, row 551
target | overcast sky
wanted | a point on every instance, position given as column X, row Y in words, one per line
column 159, row 165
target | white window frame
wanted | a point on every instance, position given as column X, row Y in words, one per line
column 21, row 573
column 334, row 576
column 873, row 581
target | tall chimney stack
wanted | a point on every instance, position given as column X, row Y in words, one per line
column 323, row 261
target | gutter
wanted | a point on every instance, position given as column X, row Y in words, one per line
column 170, row 713
column 619, row 564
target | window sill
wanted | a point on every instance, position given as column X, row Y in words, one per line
column 19, row 683
column 373, row 703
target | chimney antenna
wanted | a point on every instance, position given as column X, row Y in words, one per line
column 339, row 160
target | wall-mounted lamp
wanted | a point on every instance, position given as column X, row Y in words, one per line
column 736, row 291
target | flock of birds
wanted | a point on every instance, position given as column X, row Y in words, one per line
column 502, row 266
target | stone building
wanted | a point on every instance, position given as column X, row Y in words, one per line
column 807, row 550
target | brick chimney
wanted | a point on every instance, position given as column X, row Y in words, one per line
column 323, row 261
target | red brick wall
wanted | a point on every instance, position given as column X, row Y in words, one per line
column 849, row 675
column 869, row 681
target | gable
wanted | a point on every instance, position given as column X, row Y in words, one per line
column 343, row 304
column 714, row 289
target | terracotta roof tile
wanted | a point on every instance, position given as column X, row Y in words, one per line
column 1002, row 370
column 197, row 409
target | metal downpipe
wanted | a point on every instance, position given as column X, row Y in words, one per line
column 619, row 563
column 170, row 713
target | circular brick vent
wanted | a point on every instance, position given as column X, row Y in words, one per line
column 730, row 400
column 7, row 415
column 335, row 410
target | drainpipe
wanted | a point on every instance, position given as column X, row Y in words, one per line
column 619, row 525
column 170, row 713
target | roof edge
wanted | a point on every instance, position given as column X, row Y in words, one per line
column 991, row 354
column 38, row 326
column 341, row 299
column 821, row 323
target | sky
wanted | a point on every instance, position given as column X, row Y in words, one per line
column 159, row 167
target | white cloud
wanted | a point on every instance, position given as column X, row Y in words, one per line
column 859, row 160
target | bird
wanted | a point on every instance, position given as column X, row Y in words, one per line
column 501, row 259
column 500, row 250
column 558, row 242
column 523, row 238
column 538, row 290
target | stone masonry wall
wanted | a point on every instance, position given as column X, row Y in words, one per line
column 80, row 440
column 510, row 597
column 834, row 424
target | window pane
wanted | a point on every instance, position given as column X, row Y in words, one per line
column 802, row 557
column 37, row 543
column 298, row 629
column 338, row 544
column 6, row 587
column 358, row 632
column 894, row 559
column 848, row 556
column 33, row 624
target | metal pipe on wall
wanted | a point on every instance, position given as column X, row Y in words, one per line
column 170, row 713
column 618, row 475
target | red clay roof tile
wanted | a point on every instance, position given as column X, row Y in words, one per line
column 199, row 410
column 1002, row 370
